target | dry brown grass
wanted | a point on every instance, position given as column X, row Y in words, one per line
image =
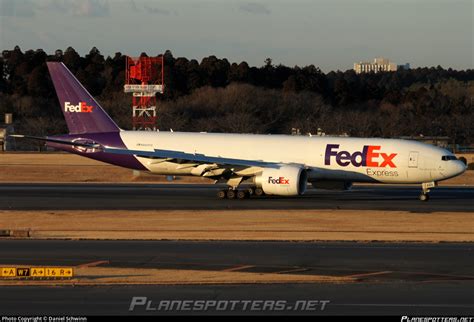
column 298, row 225
column 66, row 167
column 466, row 179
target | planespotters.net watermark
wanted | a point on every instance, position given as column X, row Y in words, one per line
column 146, row 304
column 436, row 319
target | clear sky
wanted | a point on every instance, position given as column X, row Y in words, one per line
column 331, row 34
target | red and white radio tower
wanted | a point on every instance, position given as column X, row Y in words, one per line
column 144, row 77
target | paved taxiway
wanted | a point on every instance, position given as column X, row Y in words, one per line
column 193, row 196
column 444, row 299
column 392, row 278
column 423, row 260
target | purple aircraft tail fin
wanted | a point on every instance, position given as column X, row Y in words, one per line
column 81, row 111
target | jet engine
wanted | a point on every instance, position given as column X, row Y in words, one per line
column 282, row 181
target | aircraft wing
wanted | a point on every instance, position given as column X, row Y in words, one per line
column 193, row 157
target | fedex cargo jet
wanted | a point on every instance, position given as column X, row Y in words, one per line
column 249, row 164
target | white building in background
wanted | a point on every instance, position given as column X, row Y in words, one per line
column 379, row 65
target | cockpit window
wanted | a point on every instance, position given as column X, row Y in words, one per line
column 448, row 157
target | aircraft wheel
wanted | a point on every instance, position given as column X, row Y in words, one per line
column 424, row 197
column 221, row 194
column 231, row 194
column 259, row 192
column 242, row 194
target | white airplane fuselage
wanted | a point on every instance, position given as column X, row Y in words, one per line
column 326, row 158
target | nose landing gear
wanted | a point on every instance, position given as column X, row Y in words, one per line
column 424, row 196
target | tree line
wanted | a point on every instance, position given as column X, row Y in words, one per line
column 219, row 96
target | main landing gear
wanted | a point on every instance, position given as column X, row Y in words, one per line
column 239, row 193
column 424, row 196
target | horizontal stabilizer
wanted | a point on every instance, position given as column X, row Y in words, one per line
column 48, row 139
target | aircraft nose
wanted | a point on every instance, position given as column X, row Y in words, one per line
column 458, row 167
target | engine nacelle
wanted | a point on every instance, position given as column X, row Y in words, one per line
column 284, row 181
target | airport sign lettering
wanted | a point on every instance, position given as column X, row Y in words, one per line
column 47, row 272
column 23, row 271
column 8, row 272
